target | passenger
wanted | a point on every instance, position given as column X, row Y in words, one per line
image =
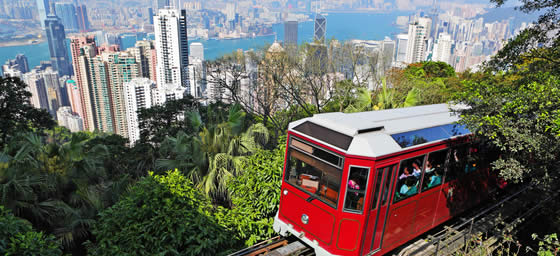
column 416, row 168
column 409, row 187
column 436, row 179
column 353, row 184
column 406, row 173
column 429, row 168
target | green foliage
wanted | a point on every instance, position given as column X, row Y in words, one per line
column 213, row 155
column 17, row 113
column 157, row 122
column 161, row 215
column 384, row 98
column 255, row 196
column 18, row 238
column 521, row 117
column 429, row 69
column 548, row 246
column 59, row 182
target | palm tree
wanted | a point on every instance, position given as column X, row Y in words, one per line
column 383, row 99
column 215, row 154
column 58, row 186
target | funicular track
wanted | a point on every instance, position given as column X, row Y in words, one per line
column 483, row 227
column 276, row 246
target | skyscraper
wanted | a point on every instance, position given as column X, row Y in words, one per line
column 138, row 95
column 151, row 15
column 172, row 49
column 57, row 45
column 52, row 87
column 388, row 48
column 67, row 14
column 161, row 4
column 121, row 68
column 402, row 46
column 22, row 62
column 290, row 33
column 197, row 76
column 100, row 91
column 83, row 21
column 113, row 39
column 83, row 48
column 320, row 28
column 144, row 53
column 197, row 51
column 36, row 85
column 73, row 92
column 68, row 119
column 16, row 67
column 43, row 8
column 442, row 48
column 418, row 34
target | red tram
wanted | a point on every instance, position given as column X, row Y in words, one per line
column 366, row 183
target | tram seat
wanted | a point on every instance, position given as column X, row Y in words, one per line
column 328, row 193
column 309, row 183
column 360, row 203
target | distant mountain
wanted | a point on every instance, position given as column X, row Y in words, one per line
column 504, row 13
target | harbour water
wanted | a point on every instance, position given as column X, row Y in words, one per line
column 340, row 26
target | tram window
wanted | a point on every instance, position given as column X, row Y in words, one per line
column 377, row 186
column 457, row 162
column 387, row 186
column 434, row 169
column 356, row 188
column 409, row 177
column 313, row 176
column 472, row 158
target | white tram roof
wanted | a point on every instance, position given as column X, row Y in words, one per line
column 378, row 133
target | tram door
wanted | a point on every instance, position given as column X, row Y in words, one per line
column 379, row 208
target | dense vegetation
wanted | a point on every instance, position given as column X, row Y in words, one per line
column 204, row 179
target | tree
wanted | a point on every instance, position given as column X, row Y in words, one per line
column 518, row 114
column 157, row 122
column 17, row 113
column 255, row 196
column 161, row 215
column 212, row 156
column 59, row 185
column 381, row 99
column 18, row 238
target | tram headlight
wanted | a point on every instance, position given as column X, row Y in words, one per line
column 304, row 218
column 285, row 192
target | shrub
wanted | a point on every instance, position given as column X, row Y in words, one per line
column 255, row 196
column 163, row 215
column 18, row 238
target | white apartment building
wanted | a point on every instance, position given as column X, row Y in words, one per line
column 138, row 95
column 197, row 51
column 172, row 48
column 69, row 120
column 442, row 48
column 418, row 34
column 402, row 41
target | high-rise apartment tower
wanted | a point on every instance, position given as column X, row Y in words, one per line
column 57, row 45
column 172, row 48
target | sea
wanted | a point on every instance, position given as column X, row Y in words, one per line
column 340, row 26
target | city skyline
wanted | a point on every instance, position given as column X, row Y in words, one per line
column 105, row 84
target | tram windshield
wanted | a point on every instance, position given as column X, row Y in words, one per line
column 314, row 171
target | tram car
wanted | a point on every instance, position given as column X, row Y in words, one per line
column 366, row 183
